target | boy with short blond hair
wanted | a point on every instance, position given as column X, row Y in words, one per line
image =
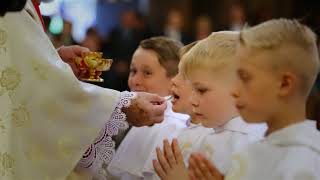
column 210, row 67
column 278, row 64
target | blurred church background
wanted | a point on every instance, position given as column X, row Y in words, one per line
column 115, row 27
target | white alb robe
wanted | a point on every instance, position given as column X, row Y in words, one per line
column 228, row 139
column 292, row 153
column 218, row 144
column 189, row 140
column 136, row 148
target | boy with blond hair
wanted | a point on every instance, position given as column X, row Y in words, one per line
column 278, row 64
column 209, row 66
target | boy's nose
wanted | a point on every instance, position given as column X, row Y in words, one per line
column 173, row 81
column 235, row 94
column 193, row 100
column 136, row 80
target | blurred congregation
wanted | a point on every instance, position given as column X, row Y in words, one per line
column 116, row 27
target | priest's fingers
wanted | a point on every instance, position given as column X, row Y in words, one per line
column 177, row 151
column 158, row 109
column 158, row 169
column 168, row 153
column 75, row 69
column 157, row 112
column 69, row 53
column 79, row 50
column 142, row 112
column 162, row 160
column 153, row 106
column 155, row 99
column 157, row 119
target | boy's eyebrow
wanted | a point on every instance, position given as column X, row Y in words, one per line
column 199, row 84
column 240, row 71
column 146, row 67
column 196, row 83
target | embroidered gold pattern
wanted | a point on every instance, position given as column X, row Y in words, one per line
column 6, row 164
column 3, row 37
column 40, row 71
column 64, row 147
column 20, row 116
column 11, row 95
column 10, row 78
column 52, row 109
column 34, row 154
column 2, row 91
column 2, row 126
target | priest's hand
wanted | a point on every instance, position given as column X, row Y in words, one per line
column 69, row 53
column 145, row 110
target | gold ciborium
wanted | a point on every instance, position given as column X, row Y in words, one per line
column 91, row 66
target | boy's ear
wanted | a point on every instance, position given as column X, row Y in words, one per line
column 288, row 84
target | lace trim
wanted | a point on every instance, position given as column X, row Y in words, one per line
column 100, row 153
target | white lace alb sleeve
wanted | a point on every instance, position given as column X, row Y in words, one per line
column 100, row 153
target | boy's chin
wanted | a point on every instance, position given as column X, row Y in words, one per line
column 176, row 109
column 251, row 118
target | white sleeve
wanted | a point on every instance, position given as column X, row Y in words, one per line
column 102, row 150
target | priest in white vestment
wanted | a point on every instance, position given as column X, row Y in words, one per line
column 48, row 118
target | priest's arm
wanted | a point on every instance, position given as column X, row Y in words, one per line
column 48, row 118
